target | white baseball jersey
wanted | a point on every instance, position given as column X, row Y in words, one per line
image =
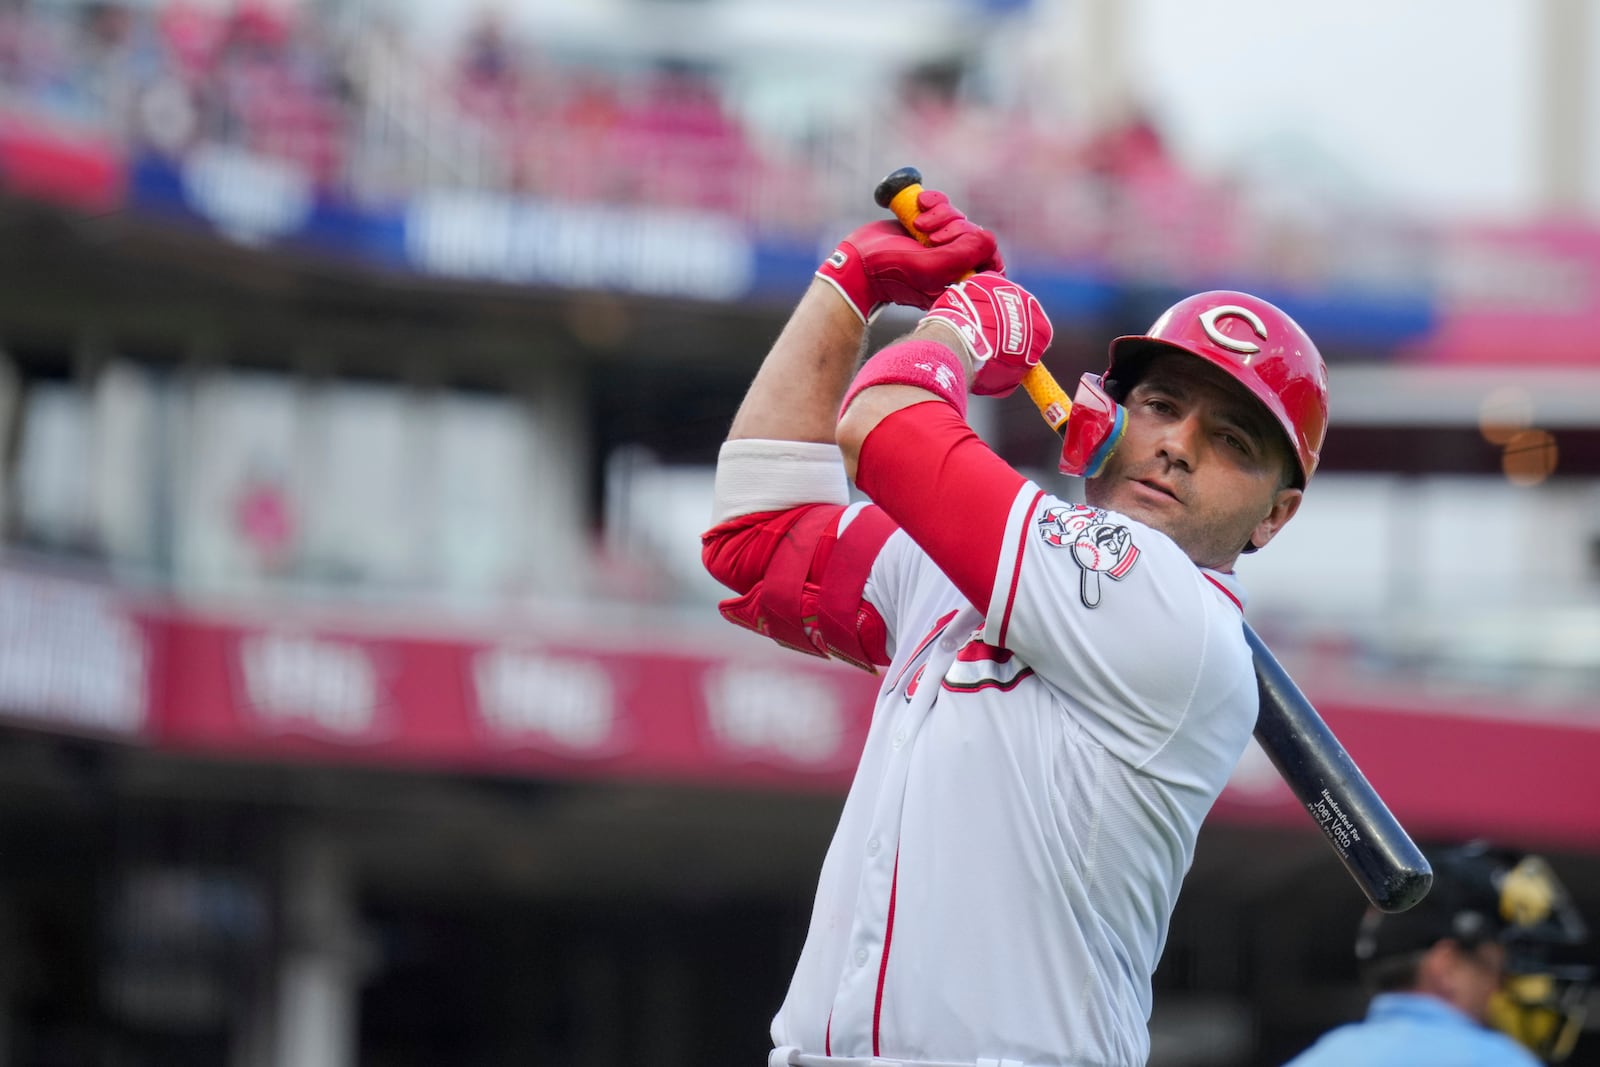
column 1066, row 698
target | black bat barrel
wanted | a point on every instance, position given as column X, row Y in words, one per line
column 1375, row 849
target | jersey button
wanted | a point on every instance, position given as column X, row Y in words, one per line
column 872, row 847
column 861, row 957
column 899, row 738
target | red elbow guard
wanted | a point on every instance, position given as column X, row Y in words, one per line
column 802, row 581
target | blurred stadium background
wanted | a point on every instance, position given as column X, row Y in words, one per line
column 361, row 366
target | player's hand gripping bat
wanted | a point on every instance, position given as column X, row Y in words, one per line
column 1374, row 848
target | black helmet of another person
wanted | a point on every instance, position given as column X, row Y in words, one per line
column 1482, row 893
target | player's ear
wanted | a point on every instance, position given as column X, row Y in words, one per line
column 1284, row 504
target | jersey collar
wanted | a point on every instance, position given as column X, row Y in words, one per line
column 1414, row 1006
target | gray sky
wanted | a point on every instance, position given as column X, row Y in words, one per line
column 1430, row 103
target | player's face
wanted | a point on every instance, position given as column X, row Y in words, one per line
column 1202, row 461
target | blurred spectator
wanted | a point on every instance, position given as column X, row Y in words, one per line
column 486, row 59
column 192, row 35
column 14, row 28
column 35, row 54
column 686, row 149
column 1131, row 148
column 554, row 156
column 488, row 74
column 275, row 91
column 264, row 521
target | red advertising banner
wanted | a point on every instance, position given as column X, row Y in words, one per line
column 565, row 708
column 84, row 658
column 1450, row 774
column 530, row 705
column 47, row 160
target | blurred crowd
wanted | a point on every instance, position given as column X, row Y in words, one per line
column 375, row 115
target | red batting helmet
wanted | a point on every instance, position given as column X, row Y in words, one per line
column 1258, row 346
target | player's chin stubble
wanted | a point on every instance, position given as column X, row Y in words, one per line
column 1204, row 542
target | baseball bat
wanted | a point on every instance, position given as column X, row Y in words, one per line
column 1374, row 848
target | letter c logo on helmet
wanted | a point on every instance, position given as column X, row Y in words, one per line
column 1208, row 321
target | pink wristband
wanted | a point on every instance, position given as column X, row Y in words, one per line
column 925, row 364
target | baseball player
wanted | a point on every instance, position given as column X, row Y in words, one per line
column 1065, row 686
column 1473, row 974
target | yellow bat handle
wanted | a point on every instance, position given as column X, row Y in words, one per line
column 1043, row 389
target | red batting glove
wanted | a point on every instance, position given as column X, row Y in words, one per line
column 1002, row 327
column 880, row 263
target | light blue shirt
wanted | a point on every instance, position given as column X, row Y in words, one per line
column 1414, row 1030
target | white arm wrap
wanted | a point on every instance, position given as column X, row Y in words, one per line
column 761, row 475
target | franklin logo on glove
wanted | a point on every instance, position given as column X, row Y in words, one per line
column 1014, row 339
column 1001, row 326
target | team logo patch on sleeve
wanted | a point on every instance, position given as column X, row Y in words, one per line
column 1097, row 545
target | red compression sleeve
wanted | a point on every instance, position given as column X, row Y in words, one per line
column 941, row 484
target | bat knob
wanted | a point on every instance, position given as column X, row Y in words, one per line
column 896, row 181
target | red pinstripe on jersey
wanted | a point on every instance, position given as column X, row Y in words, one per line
column 883, row 963
column 1225, row 591
column 1016, row 571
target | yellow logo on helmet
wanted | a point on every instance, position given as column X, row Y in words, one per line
column 1529, row 893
